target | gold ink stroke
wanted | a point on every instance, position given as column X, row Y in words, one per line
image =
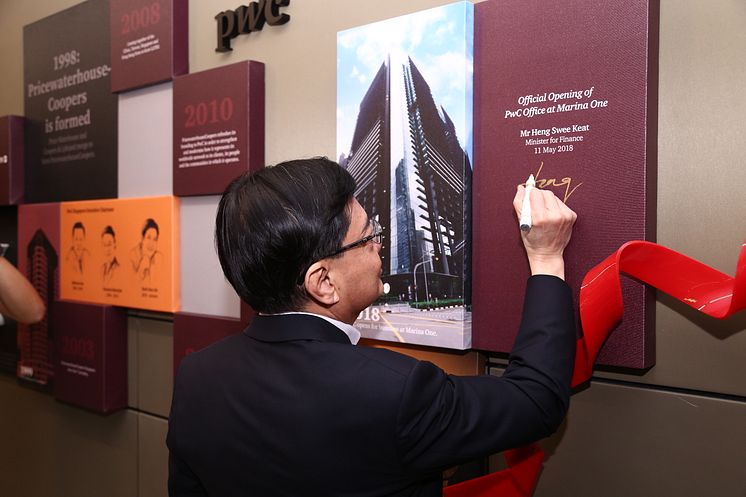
column 567, row 182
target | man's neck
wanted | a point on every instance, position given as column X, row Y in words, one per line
column 315, row 308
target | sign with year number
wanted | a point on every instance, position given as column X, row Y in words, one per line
column 218, row 127
column 149, row 42
column 90, row 355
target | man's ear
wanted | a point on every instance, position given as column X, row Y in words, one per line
column 318, row 284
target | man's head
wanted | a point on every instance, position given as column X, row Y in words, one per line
column 150, row 233
column 78, row 236
column 276, row 230
column 109, row 242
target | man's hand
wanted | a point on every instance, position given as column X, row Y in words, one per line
column 550, row 232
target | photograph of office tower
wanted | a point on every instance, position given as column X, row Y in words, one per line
column 404, row 132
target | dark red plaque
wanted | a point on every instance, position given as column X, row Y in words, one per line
column 8, row 327
column 90, row 355
column 193, row 332
column 218, row 127
column 11, row 160
column 566, row 91
column 149, row 42
column 39, row 261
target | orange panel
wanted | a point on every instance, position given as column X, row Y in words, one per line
column 121, row 252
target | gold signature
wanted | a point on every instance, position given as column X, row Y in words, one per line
column 553, row 182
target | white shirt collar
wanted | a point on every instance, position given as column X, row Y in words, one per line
column 349, row 330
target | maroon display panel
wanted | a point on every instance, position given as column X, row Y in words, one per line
column 218, row 127
column 566, row 91
column 11, row 160
column 149, row 42
column 38, row 260
column 71, row 116
column 91, row 355
column 193, row 332
column 9, row 327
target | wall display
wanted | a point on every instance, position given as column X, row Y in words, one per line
column 8, row 327
column 247, row 19
column 566, row 91
column 11, row 160
column 121, row 252
column 71, row 114
column 90, row 355
column 38, row 260
column 149, row 42
column 404, row 114
column 218, row 127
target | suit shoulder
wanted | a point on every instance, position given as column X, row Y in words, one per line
column 388, row 359
column 213, row 354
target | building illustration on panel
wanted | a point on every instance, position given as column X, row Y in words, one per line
column 35, row 340
column 412, row 167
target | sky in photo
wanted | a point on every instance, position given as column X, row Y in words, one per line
column 438, row 40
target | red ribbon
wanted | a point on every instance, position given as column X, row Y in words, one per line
column 699, row 286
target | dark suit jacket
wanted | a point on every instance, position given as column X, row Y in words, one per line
column 290, row 408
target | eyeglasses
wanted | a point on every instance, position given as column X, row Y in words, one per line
column 376, row 237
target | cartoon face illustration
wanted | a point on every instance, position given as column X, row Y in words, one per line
column 109, row 244
column 78, row 238
column 150, row 241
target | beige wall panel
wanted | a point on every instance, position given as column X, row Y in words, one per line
column 301, row 65
column 154, row 364
column 152, row 460
column 621, row 442
column 50, row 449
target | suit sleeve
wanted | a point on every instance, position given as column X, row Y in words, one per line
column 444, row 420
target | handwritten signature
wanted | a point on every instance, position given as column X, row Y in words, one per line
column 554, row 182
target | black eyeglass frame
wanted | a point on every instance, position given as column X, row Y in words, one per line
column 377, row 233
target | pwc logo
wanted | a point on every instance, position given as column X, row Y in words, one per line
column 248, row 18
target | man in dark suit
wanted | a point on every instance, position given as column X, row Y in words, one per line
column 291, row 407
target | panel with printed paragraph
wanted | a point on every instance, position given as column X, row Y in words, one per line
column 90, row 367
column 38, row 260
column 218, row 123
column 566, row 91
column 71, row 114
column 11, row 160
column 121, row 252
column 149, row 42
